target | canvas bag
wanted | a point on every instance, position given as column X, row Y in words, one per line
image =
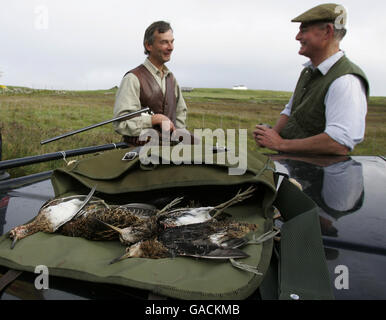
column 182, row 277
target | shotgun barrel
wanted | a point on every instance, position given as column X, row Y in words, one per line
column 13, row 163
column 123, row 117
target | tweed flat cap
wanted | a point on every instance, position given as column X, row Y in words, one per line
column 325, row 12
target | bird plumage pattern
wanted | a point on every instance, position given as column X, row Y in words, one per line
column 51, row 218
column 146, row 231
column 211, row 239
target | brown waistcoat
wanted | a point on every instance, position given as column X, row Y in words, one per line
column 151, row 94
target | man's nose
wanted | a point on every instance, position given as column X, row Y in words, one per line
column 299, row 36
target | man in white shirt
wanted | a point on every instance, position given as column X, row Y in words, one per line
column 326, row 114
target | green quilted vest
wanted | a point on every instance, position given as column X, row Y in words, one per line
column 308, row 109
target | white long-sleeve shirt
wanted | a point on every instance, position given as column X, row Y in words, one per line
column 346, row 105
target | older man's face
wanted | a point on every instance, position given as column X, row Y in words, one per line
column 162, row 47
column 311, row 38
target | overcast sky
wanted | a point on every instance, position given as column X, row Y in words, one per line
column 57, row 44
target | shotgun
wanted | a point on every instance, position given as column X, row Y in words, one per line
column 123, row 117
column 14, row 163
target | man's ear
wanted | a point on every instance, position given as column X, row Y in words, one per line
column 329, row 31
column 148, row 46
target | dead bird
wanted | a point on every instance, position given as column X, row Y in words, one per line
column 143, row 224
column 75, row 216
column 88, row 225
column 187, row 231
column 191, row 215
column 139, row 220
column 134, row 222
column 52, row 215
column 211, row 239
column 168, row 218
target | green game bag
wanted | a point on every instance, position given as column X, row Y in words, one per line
column 302, row 268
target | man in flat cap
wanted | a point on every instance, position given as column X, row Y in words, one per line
column 151, row 85
column 326, row 114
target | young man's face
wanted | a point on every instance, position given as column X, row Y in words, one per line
column 162, row 47
column 311, row 38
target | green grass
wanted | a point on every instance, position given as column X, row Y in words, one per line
column 258, row 96
column 28, row 116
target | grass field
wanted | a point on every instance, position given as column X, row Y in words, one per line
column 28, row 116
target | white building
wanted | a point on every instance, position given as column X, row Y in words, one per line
column 240, row 87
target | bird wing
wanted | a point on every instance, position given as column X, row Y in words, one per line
column 142, row 210
column 196, row 240
column 217, row 253
column 77, row 213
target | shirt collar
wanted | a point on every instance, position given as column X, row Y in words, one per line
column 326, row 65
column 153, row 69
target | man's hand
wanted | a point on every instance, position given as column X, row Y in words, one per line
column 163, row 121
column 319, row 144
column 266, row 137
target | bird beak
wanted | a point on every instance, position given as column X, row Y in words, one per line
column 13, row 236
column 125, row 256
column 13, row 242
column 119, row 230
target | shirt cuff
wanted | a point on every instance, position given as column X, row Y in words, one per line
column 286, row 112
column 146, row 121
column 340, row 135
